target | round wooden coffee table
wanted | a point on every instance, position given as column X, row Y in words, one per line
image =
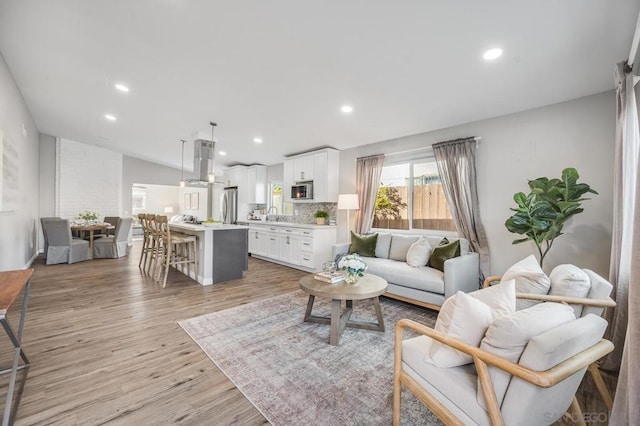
column 367, row 287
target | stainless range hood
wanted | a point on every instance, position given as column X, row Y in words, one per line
column 203, row 156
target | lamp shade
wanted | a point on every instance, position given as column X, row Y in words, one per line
column 348, row 202
column 168, row 209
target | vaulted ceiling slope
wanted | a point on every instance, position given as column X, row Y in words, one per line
column 281, row 70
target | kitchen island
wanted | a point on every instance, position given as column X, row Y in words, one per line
column 222, row 251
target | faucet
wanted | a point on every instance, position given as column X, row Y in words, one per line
column 272, row 207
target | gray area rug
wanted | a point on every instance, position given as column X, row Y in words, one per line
column 287, row 369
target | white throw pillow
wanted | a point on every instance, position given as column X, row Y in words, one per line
column 400, row 246
column 419, row 253
column 570, row 281
column 508, row 336
column 462, row 317
column 383, row 245
column 530, row 278
column 501, row 298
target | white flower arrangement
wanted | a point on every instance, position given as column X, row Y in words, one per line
column 353, row 264
column 88, row 216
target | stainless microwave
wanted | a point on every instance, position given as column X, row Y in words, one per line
column 302, row 190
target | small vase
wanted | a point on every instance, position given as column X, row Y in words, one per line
column 351, row 278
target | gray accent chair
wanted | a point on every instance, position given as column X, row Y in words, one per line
column 62, row 248
column 114, row 246
column 44, row 233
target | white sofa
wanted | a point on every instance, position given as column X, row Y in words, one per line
column 424, row 286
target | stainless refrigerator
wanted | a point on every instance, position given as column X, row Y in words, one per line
column 230, row 204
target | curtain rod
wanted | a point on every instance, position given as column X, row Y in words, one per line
column 427, row 148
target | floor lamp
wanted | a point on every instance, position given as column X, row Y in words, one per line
column 348, row 202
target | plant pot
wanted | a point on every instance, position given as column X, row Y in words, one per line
column 320, row 220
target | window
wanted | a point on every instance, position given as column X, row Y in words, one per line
column 276, row 199
column 411, row 197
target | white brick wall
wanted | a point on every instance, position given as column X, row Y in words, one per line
column 87, row 178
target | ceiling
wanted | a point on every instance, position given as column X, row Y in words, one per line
column 281, row 69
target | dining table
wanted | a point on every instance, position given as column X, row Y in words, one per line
column 91, row 228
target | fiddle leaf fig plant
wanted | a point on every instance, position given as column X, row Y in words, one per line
column 541, row 215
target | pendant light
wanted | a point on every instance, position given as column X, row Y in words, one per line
column 212, row 175
column 182, row 181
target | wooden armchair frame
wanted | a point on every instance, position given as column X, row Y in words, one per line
column 482, row 359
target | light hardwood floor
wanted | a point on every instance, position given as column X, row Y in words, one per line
column 105, row 346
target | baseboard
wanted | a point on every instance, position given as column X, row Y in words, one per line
column 30, row 261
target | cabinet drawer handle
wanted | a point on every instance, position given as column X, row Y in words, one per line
column 305, row 258
column 306, row 244
column 272, row 239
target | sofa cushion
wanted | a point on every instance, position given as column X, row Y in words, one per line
column 422, row 278
column 442, row 252
column 383, row 245
column 508, row 336
column 530, row 278
column 570, row 281
column 364, row 245
column 419, row 253
column 462, row 317
column 600, row 289
column 501, row 298
column 400, row 246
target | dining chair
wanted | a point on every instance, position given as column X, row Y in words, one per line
column 114, row 246
column 177, row 249
column 113, row 221
column 62, row 247
column 44, row 233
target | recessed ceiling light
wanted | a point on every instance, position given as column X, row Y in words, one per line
column 222, row 153
column 110, row 117
column 347, row 109
column 492, row 54
column 121, row 87
column 257, row 140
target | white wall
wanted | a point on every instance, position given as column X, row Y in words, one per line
column 144, row 172
column 88, row 178
column 523, row 146
column 47, row 181
column 201, row 212
column 19, row 228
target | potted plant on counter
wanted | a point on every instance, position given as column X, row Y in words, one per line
column 321, row 216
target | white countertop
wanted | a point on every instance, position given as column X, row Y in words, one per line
column 191, row 227
column 286, row 224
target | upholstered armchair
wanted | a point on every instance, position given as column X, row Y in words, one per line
column 558, row 336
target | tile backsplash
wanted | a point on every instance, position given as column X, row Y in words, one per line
column 306, row 213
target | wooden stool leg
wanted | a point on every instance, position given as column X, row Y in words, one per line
column 601, row 386
column 169, row 254
column 144, row 249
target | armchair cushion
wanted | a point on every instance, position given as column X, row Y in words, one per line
column 419, row 253
column 529, row 277
column 465, row 318
column 508, row 336
column 501, row 298
column 571, row 281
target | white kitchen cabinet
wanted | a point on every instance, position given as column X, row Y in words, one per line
column 290, row 249
column 321, row 167
column 257, row 184
column 257, row 242
column 300, row 246
column 303, row 168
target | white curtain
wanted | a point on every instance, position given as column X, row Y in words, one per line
column 368, row 172
column 625, row 258
column 456, row 162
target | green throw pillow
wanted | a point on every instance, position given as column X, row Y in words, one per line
column 443, row 251
column 364, row 245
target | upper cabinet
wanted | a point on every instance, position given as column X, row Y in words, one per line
column 257, row 184
column 321, row 167
column 303, row 168
column 251, row 182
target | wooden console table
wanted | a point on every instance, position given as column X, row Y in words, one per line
column 12, row 283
